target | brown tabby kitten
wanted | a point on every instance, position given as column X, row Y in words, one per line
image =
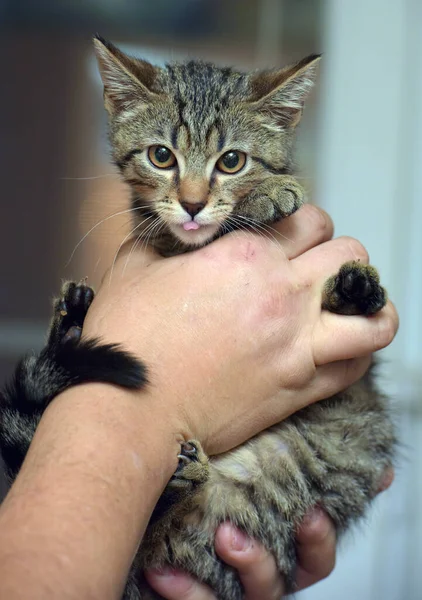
column 206, row 150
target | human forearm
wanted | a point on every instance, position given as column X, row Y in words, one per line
column 72, row 521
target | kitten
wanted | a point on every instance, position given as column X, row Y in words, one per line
column 206, row 150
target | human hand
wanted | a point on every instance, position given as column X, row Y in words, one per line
column 316, row 549
column 233, row 334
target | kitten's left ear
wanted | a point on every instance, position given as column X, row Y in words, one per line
column 127, row 81
column 280, row 95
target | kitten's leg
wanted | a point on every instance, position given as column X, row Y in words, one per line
column 192, row 471
column 65, row 361
column 354, row 290
column 178, row 498
column 277, row 197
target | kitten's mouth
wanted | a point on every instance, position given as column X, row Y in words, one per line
column 192, row 233
column 191, row 225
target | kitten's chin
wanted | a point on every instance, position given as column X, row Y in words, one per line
column 194, row 237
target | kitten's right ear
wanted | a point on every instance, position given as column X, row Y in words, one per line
column 280, row 95
column 127, row 81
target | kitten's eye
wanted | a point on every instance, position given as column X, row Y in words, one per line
column 161, row 157
column 231, row 162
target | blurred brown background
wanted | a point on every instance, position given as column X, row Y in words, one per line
column 359, row 152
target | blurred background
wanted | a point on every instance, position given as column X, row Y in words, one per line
column 360, row 155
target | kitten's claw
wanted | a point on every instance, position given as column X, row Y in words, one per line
column 183, row 458
column 192, row 467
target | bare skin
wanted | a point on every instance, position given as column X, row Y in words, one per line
column 101, row 456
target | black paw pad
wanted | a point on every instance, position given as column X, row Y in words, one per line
column 75, row 301
column 355, row 290
column 355, row 284
column 70, row 311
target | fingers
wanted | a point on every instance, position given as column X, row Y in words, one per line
column 305, row 229
column 322, row 261
column 176, row 585
column 316, row 543
column 316, row 548
column 255, row 565
column 386, row 480
column 339, row 337
column 335, row 377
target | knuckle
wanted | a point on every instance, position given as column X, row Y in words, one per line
column 355, row 248
column 384, row 332
column 320, row 221
column 391, row 312
column 280, row 299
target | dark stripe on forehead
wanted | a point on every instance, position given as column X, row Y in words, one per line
column 208, row 133
column 221, row 138
column 181, row 104
column 275, row 170
column 174, row 137
column 127, row 158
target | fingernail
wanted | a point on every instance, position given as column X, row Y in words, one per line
column 240, row 541
column 163, row 572
column 312, row 516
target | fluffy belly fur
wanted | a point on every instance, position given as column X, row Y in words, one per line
column 332, row 454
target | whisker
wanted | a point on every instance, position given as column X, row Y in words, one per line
column 97, row 264
column 144, row 233
column 258, row 229
column 120, row 247
column 89, row 178
column 158, row 226
column 266, row 228
column 154, row 227
column 241, row 228
column 120, row 212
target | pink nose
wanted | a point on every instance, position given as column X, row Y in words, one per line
column 192, row 208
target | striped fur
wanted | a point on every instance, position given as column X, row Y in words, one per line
column 200, row 111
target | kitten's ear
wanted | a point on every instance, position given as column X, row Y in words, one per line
column 126, row 80
column 280, row 95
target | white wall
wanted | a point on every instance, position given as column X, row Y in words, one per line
column 370, row 176
column 370, row 181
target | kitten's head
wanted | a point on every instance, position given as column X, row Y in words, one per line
column 194, row 139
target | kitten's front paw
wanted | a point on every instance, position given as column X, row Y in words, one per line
column 355, row 290
column 70, row 311
column 193, row 466
column 274, row 199
column 192, row 471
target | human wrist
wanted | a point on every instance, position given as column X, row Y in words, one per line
column 97, row 465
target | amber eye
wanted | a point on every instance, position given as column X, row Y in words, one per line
column 161, row 157
column 231, row 162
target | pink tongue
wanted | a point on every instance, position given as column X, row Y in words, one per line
column 190, row 225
